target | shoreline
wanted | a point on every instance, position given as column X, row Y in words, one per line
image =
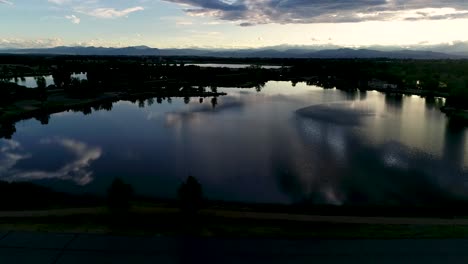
column 458, row 114
column 15, row 113
column 422, row 93
column 27, row 109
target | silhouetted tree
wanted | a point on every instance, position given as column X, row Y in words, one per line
column 107, row 106
column 43, row 118
column 41, row 88
column 458, row 93
column 41, row 82
column 62, row 78
column 214, row 102
column 141, row 103
column 119, row 195
column 190, row 196
column 259, row 87
column 7, row 130
column 86, row 110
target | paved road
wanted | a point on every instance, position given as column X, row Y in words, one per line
column 49, row 248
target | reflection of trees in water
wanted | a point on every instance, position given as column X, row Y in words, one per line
column 88, row 109
column 214, row 102
column 430, row 102
column 393, row 100
column 351, row 94
column 434, row 102
column 454, row 144
column 259, row 87
column 44, row 118
column 325, row 82
column 107, row 106
column 150, row 101
column 141, row 103
column 7, row 130
column 362, row 95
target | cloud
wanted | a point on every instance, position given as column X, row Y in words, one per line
column 94, row 8
column 74, row 19
column 109, row 12
column 254, row 12
column 76, row 170
column 59, row 2
column 30, row 43
column 10, row 155
column 6, row 2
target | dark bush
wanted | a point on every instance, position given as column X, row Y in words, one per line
column 119, row 195
column 190, row 196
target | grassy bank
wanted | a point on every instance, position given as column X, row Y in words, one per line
column 35, row 208
column 153, row 221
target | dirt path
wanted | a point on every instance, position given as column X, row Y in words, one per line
column 53, row 212
column 249, row 215
column 338, row 219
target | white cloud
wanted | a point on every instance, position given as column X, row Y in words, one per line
column 30, row 43
column 109, row 12
column 93, row 8
column 59, row 2
column 255, row 12
column 6, row 2
column 184, row 23
column 74, row 19
column 9, row 155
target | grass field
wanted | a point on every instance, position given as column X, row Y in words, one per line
column 230, row 224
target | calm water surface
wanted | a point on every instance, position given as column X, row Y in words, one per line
column 233, row 66
column 284, row 144
column 30, row 81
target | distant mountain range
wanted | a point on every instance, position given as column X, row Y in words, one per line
column 271, row 52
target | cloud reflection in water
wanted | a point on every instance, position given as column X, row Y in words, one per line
column 343, row 168
column 77, row 170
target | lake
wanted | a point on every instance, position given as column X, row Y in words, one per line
column 283, row 144
column 30, row 81
column 232, row 66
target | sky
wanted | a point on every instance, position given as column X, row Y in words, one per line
column 231, row 23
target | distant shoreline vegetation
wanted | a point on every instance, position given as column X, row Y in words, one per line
column 110, row 79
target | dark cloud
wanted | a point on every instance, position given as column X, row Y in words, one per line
column 253, row 12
